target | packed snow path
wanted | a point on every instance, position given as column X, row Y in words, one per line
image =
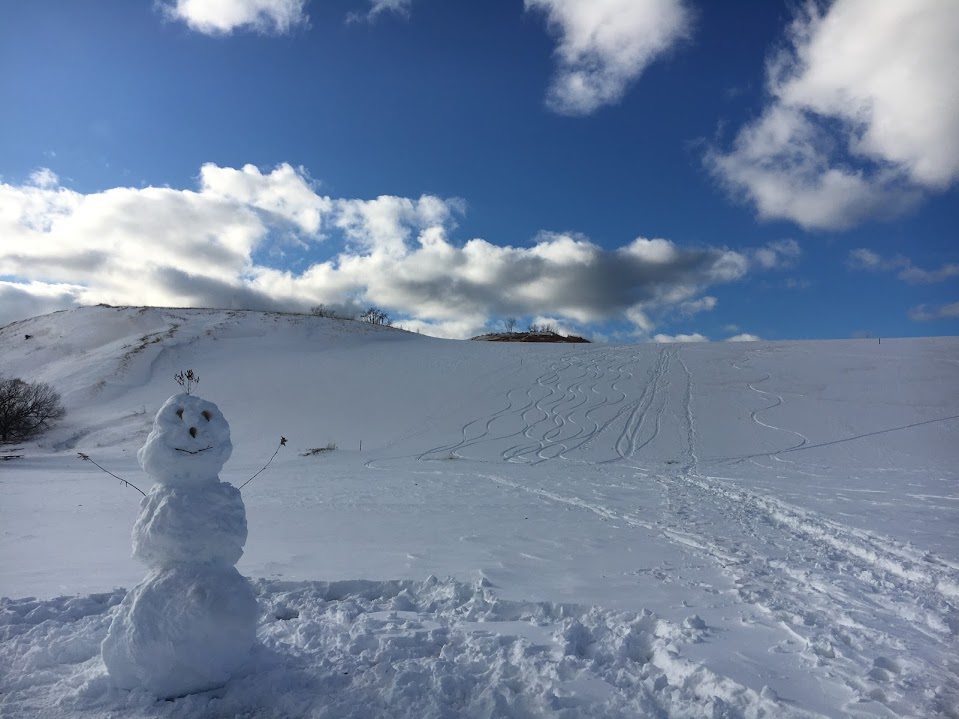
column 787, row 513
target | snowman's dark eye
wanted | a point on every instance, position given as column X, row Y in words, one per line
column 179, row 413
column 206, row 415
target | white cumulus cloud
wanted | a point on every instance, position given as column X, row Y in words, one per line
column 668, row 339
column 863, row 117
column 379, row 7
column 865, row 259
column 925, row 313
column 221, row 17
column 285, row 192
column 19, row 300
column 780, row 254
column 919, row 276
column 44, row 178
column 694, row 307
column 744, row 337
column 604, row 46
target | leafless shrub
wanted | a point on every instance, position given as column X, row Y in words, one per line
column 27, row 409
column 330, row 446
column 322, row 311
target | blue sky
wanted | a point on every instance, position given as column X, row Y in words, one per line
column 627, row 169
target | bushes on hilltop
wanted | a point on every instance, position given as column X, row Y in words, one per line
column 535, row 334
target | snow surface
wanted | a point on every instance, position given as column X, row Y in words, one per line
column 756, row 529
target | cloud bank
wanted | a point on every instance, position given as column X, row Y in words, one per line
column 268, row 240
column 862, row 119
column 604, row 45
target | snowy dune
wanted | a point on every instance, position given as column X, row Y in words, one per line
column 756, row 529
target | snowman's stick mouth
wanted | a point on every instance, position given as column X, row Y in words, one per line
column 195, row 451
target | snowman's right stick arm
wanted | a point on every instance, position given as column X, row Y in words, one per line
column 86, row 458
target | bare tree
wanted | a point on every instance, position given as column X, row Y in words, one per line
column 510, row 324
column 27, row 409
column 322, row 311
column 376, row 316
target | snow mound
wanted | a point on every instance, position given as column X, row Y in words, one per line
column 388, row 649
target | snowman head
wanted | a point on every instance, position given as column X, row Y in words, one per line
column 190, row 441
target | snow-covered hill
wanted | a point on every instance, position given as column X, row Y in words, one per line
column 755, row 529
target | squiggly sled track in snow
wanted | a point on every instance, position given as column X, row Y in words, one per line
column 556, row 414
column 488, row 420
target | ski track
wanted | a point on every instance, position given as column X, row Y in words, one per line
column 779, row 401
column 877, row 614
column 567, row 409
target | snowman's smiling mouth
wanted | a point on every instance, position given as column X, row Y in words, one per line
column 197, row 451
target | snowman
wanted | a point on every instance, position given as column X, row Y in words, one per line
column 190, row 624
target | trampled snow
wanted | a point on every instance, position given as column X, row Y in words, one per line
column 756, row 529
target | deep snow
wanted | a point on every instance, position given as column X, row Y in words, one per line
column 756, row 529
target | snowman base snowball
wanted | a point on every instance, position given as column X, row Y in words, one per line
column 182, row 630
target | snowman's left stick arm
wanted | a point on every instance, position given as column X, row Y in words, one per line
column 281, row 444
